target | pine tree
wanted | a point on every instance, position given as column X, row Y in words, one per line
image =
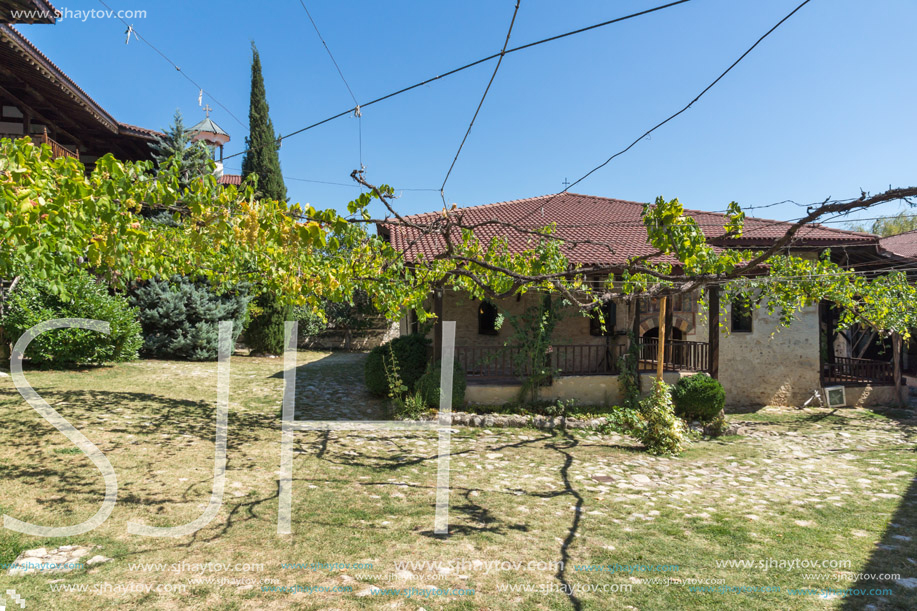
column 175, row 143
column 180, row 317
column 261, row 157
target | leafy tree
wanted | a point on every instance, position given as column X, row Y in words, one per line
column 180, row 318
column 262, row 158
column 175, row 146
column 886, row 226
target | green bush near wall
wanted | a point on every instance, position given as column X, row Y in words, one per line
column 411, row 352
column 698, row 397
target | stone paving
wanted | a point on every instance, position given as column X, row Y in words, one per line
column 332, row 388
column 63, row 559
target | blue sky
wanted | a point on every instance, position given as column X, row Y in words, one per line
column 823, row 107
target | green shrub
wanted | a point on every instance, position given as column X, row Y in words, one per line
column 411, row 354
column 409, row 407
column 663, row 433
column 82, row 297
column 698, row 397
column 428, row 386
column 623, row 420
column 180, row 317
column 264, row 334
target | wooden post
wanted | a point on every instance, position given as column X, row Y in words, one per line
column 896, row 355
column 438, row 325
column 635, row 326
column 669, row 328
column 660, row 353
column 713, row 331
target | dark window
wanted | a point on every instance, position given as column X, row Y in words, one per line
column 414, row 322
column 741, row 315
column 609, row 312
column 487, row 319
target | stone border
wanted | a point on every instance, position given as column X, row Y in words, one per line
column 547, row 422
column 519, row 420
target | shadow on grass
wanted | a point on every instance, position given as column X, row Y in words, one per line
column 895, row 554
column 568, row 443
column 71, row 481
column 478, row 518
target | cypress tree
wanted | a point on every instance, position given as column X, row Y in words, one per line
column 264, row 334
column 261, row 158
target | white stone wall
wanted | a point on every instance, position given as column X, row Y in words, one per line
column 772, row 365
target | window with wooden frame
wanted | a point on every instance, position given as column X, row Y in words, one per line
column 487, row 319
column 609, row 312
column 742, row 310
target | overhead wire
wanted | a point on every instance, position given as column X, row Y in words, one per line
column 473, row 64
column 353, row 97
column 132, row 30
column 442, row 188
column 684, row 108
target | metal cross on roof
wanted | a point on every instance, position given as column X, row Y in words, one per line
column 565, row 183
column 207, row 109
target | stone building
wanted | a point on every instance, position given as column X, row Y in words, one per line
column 758, row 361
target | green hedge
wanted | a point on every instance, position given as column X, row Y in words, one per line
column 698, row 397
column 428, row 386
column 412, row 355
column 82, row 297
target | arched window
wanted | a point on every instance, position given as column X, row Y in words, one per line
column 487, row 319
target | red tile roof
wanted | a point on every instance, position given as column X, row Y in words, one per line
column 903, row 244
column 230, row 179
column 601, row 219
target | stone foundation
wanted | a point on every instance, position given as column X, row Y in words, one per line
column 586, row 390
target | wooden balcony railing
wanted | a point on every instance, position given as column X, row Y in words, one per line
column 587, row 359
column 679, row 355
column 493, row 362
column 58, row 150
column 858, row 371
column 501, row 362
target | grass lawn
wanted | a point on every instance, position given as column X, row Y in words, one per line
column 836, row 487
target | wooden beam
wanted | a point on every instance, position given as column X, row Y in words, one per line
column 636, row 321
column 896, row 355
column 660, row 353
column 669, row 326
column 438, row 325
column 29, row 111
column 713, row 330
